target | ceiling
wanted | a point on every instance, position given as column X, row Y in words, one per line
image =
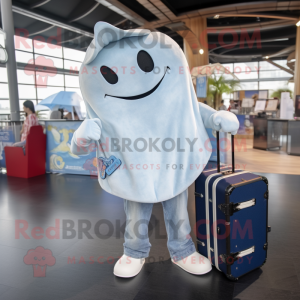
column 270, row 24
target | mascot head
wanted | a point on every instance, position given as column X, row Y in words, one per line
column 123, row 67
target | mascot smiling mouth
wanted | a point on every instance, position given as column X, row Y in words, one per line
column 141, row 95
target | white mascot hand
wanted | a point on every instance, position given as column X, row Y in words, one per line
column 225, row 121
column 89, row 130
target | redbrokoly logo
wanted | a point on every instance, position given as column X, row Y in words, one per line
column 39, row 258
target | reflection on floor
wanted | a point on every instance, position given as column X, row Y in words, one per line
column 256, row 160
column 81, row 263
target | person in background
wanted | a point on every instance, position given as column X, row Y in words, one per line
column 62, row 112
column 68, row 116
column 31, row 120
column 255, row 98
column 223, row 106
column 231, row 105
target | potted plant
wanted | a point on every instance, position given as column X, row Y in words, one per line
column 277, row 93
column 218, row 86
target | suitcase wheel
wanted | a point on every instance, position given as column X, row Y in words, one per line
column 230, row 277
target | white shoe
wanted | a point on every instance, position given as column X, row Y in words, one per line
column 195, row 264
column 127, row 266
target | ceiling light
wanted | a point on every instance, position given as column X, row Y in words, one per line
column 218, row 16
column 201, row 51
column 284, row 39
column 298, row 23
column 266, row 57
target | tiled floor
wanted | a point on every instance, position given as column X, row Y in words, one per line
column 75, row 200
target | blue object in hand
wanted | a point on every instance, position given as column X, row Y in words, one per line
column 108, row 165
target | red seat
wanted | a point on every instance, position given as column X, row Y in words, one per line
column 33, row 162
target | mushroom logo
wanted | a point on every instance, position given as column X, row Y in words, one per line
column 39, row 258
column 43, row 67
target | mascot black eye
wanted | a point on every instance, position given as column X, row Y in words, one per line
column 109, row 75
column 145, row 61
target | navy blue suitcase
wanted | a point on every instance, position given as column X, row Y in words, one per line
column 232, row 217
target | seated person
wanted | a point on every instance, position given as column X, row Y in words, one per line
column 223, row 106
column 56, row 115
column 68, row 116
column 31, row 120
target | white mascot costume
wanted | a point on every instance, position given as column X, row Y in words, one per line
column 149, row 131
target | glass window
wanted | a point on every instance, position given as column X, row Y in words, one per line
column 41, row 79
column 24, row 57
column 229, row 67
column 265, row 66
column 55, row 79
column 72, row 65
column 72, row 81
column 281, row 62
column 49, row 79
column 248, row 86
column 23, row 44
column 73, row 54
column 225, row 76
column 246, row 75
column 48, row 61
column 4, row 90
column 47, row 49
column 274, row 74
column 44, row 92
column 3, row 75
column 74, row 90
column 291, row 86
column 27, row 91
column 21, row 104
column 272, row 85
column 246, row 67
column 25, row 77
column 4, row 106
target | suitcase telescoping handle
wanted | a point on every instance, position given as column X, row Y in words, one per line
column 218, row 152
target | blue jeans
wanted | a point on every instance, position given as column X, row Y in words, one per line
column 178, row 227
column 20, row 144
